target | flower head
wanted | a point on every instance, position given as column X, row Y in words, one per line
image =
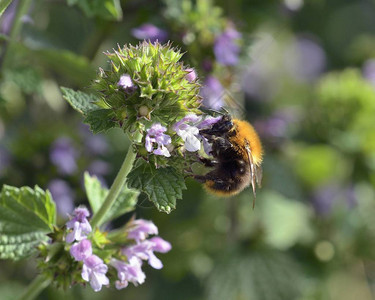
column 80, row 225
column 94, row 271
column 191, row 75
column 126, row 83
column 81, row 250
column 145, row 251
column 186, row 129
column 150, row 32
column 226, row 48
column 128, row 272
column 155, row 135
column 140, row 229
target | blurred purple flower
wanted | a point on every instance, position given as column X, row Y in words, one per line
column 226, row 47
column 99, row 168
column 305, row 59
column 323, row 199
column 94, row 271
column 63, row 156
column 81, row 250
column 145, row 251
column 80, row 225
column 128, row 272
column 369, row 71
column 96, row 144
column 139, row 229
column 187, row 130
column 4, row 160
column 212, row 93
column 150, row 32
column 155, row 134
column 63, row 195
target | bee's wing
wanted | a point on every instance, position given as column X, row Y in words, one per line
column 258, row 175
column 253, row 171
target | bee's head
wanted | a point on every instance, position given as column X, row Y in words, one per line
column 221, row 127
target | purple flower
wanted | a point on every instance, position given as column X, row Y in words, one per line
column 226, row 48
column 145, row 251
column 96, row 144
column 305, row 59
column 189, row 132
column 212, row 93
column 208, row 122
column 8, row 18
column 81, row 250
column 99, row 168
column 139, row 230
column 126, row 83
column 369, row 71
column 155, row 134
column 150, row 32
column 128, row 272
column 80, row 225
column 191, row 75
column 63, row 156
column 94, row 271
column 63, row 195
column 324, row 198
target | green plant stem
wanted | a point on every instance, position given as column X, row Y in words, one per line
column 22, row 9
column 117, row 185
column 35, row 287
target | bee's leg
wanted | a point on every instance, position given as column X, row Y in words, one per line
column 222, row 146
column 208, row 162
column 204, row 178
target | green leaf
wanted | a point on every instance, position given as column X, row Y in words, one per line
column 162, row 186
column 81, row 102
column 100, row 120
column 3, row 6
column 106, row 9
column 26, row 216
column 265, row 275
column 96, row 195
column 26, row 78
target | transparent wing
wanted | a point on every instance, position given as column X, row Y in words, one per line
column 255, row 172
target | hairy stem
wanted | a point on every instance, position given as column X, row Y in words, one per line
column 35, row 287
column 117, row 185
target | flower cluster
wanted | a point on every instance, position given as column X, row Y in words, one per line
column 127, row 260
column 93, row 269
column 146, row 82
column 130, row 270
column 187, row 129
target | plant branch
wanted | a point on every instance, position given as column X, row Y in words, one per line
column 117, row 185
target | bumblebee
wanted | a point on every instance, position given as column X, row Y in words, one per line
column 237, row 156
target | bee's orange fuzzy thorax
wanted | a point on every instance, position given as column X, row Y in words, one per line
column 246, row 132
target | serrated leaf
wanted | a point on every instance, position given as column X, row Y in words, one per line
column 80, row 101
column 162, row 186
column 96, row 195
column 100, row 120
column 26, row 78
column 26, row 216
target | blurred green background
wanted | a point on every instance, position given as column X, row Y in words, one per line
column 305, row 79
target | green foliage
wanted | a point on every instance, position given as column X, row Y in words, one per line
column 163, row 186
column 100, row 120
column 266, row 275
column 320, row 164
column 106, row 9
column 285, row 221
column 26, row 216
column 96, row 195
column 81, row 102
column 28, row 79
